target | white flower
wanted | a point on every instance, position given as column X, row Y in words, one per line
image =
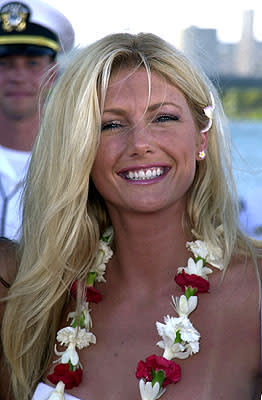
column 212, row 254
column 103, row 256
column 196, row 268
column 215, row 256
column 69, row 355
column 209, row 110
column 108, row 235
column 188, row 334
column 198, row 248
column 80, row 337
column 184, row 306
column 147, row 392
column 87, row 315
column 106, row 250
column 58, row 392
column 85, row 310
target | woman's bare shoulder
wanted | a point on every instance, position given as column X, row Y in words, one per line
column 246, row 273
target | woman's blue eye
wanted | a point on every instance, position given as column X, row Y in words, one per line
column 165, row 118
column 110, row 126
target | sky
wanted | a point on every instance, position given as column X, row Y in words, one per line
column 166, row 18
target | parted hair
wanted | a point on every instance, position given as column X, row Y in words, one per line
column 63, row 213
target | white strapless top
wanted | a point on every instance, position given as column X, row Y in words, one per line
column 43, row 391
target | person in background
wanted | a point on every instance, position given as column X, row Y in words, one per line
column 250, row 213
column 132, row 279
column 32, row 34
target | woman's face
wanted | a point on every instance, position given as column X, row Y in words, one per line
column 146, row 159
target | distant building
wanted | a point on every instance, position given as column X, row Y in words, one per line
column 226, row 63
column 243, row 59
column 201, row 45
column 245, row 51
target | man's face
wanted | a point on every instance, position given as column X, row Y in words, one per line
column 21, row 79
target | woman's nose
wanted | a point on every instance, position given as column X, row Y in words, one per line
column 139, row 142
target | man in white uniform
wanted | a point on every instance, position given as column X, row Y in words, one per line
column 32, row 33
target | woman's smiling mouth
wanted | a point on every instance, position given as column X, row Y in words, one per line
column 144, row 174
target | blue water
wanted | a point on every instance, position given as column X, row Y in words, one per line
column 246, row 139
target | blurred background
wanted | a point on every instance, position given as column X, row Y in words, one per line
column 225, row 38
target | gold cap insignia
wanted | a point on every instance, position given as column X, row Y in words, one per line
column 14, row 16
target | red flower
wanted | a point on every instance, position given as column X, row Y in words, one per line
column 73, row 289
column 62, row 373
column 184, row 280
column 92, row 295
column 155, row 363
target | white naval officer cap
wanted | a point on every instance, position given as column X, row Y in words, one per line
column 33, row 27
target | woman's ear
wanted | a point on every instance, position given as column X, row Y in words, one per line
column 202, row 146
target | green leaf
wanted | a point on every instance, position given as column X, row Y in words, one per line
column 178, row 338
column 158, row 376
column 201, row 258
column 82, row 320
column 91, row 278
column 79, row 321
column 71, row 367
column 74, row 323
column 190, row 292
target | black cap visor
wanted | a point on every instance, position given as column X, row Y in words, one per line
column 26, row 49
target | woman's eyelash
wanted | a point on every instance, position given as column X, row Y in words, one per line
column 166, row 117
column 110, row 126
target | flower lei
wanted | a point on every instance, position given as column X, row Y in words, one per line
column 179, row 337
column 68, row 373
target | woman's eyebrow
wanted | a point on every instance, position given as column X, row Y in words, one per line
column 114, row 110
column 156, row 106
column 150, row 108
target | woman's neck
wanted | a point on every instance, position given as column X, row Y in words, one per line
column 148, row 248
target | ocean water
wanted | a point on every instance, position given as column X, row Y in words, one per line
column 246, row 139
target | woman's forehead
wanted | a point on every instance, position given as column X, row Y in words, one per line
column 124, row 74
column 132, row 81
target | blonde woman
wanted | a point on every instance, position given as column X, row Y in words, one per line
column 133, row 278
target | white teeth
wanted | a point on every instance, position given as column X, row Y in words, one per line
column 144, row 174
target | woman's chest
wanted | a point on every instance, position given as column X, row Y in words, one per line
column 228, row 323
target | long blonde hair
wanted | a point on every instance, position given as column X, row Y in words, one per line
column 64, row 214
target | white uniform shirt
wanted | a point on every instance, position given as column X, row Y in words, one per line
column 251, row 215
column 13, row 168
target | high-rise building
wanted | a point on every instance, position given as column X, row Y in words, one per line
column 201, row 45
column 245, row 50
column 217, row 58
